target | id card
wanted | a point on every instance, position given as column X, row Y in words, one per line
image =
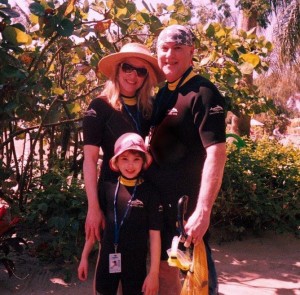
column 115, row 263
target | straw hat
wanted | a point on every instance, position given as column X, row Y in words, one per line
column 129, row 141
column 108, row 64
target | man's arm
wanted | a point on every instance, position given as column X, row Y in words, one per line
column 211, row 181
column 94, row 219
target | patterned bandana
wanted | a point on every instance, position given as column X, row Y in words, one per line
column 176, row 33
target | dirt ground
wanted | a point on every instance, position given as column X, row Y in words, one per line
column 267, row 265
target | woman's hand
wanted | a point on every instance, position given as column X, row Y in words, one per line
column 94, row 224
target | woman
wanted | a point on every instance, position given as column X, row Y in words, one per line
column 125, row 105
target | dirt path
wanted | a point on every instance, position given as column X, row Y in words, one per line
column 269, row 265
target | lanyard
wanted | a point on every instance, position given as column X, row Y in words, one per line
column 117, row 228
column 135, row 120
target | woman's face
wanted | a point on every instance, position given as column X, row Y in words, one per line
column 132, row 73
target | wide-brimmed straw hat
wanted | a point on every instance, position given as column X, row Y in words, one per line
column 130, row 141
column 107, row 65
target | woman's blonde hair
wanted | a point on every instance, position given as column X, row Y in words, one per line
column 144, row 95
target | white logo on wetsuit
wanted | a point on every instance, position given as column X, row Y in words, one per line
column 173, row 112
column 90, row 113
column 137, row 203
column 216, row 110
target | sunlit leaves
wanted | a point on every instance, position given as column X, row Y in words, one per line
column 80, row 79
column 58, row 91
column 16, row 36
column 250, row 58
column 70, row 7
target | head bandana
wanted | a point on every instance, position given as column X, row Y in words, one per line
column 176, row 33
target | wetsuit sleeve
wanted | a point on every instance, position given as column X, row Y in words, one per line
column 209, row 116
column 94, row 122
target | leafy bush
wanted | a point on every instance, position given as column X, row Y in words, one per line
column 9, row 241
column 56, row 213
column 260, row 189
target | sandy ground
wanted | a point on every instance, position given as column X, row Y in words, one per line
column 266, row 265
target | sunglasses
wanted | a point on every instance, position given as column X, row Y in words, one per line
column 127, row 68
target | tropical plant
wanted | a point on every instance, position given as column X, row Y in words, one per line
column 47, row 73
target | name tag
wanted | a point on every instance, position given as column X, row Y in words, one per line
column 115, row 263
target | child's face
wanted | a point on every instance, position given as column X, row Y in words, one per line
column 130, row 164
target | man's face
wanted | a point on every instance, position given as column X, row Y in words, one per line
column 174, row 59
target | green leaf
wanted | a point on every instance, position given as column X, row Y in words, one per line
column 43, row 207
column 65, row 28
column 155, row 23
column 37, row 9
column 120, row 3
column 9, row 12
column 210, row 30
column 47, row 83
column 16, row 36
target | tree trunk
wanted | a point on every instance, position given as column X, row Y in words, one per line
column 240, row 123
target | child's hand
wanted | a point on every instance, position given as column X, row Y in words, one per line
column 151, row 283
column 83, row 269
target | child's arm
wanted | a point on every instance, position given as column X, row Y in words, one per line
column 151, row 283
column 83, row 267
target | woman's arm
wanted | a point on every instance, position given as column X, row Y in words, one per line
column 95, row 219
column 83, row 267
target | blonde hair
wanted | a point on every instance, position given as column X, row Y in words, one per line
column 144, row 94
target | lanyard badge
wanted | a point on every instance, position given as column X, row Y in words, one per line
column 115, row 265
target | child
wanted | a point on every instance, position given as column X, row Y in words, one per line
column 132, row 215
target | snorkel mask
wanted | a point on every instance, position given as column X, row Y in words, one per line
column 179, row 258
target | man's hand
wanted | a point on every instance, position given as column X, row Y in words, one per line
column 196, row 227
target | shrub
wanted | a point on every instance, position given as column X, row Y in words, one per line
column 260, row 189
column 56, row 211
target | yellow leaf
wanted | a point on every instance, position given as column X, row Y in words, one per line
column 70, row 7
column 80, row 79
column 16, row 36
column 34, row 19
column 250, row 58
column 74, row 108
column 75, row 59
column 121, row 12
column 58, row 91
column 51, row 68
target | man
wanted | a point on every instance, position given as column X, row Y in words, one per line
column 188, row 145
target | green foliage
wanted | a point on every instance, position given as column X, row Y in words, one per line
column 57, row 211
column 260, row 190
